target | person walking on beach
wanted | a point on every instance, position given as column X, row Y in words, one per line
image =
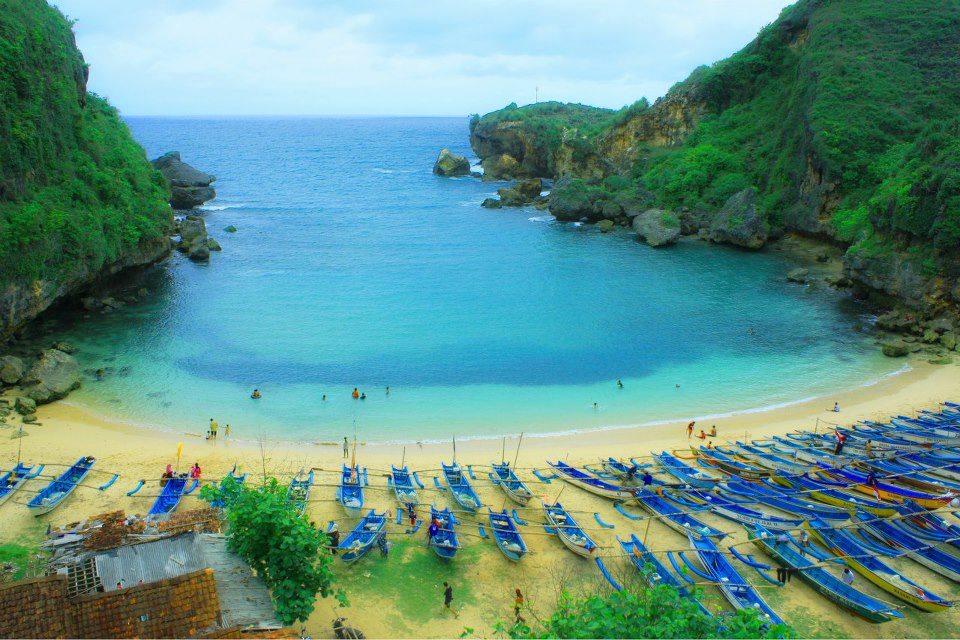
column 226, row 431
column 448, row 599
column 690, row 429
column 517, row 605
column 346, row 447
column 333, row 536
column 841, row 440
column 212, row 433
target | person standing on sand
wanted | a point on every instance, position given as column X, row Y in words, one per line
column 226, row 431
column 333, row 539
column 346, row 447
column 212, row 434
column 448, row 599
column 690, row 429
column 517, row 605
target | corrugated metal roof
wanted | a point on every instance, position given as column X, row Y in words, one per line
column 244, row 598
column 166, row 558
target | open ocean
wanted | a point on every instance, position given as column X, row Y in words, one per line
column 354, row 266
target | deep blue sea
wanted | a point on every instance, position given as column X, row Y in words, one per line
column 354, row 266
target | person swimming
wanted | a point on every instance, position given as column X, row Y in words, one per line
column 256, row 394
column 363, row 396
column 620, row 384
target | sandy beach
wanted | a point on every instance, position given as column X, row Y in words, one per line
column 402, row 596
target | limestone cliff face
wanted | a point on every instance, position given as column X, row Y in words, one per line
column 842, row 118
column 78, row 199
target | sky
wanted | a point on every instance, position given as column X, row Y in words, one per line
column 398, row 57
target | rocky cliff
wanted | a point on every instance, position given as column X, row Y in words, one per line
column 78, row 199
column 840, row 121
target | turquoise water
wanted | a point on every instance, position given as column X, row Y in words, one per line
column 354, row 266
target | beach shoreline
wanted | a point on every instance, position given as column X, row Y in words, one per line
column 66, row 432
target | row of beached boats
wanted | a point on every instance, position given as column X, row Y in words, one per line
column 809, row 501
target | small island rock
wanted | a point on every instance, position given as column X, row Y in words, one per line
column 798, row 275
column 657, row 227
column 491, row 203
column 189, row 187
column 451, row 164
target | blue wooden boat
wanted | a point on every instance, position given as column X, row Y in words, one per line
column 731, row 466
column 652, row 570
column 785, row 500
column 460, row 487
column 738, row 592
column 626, row 472
column 946, row 564
column 673, row 517
column 402, row 482
column 350, row 491
column 828, row 494
column 570, row 533
column 865, row 562
column 738, row 512
column 445, row 544
column 170, row 496
column 233, row 478
column 363, row 537
column 506, row 479
column 890, row 492
column 505, row 533
column 298, row 493
column 589, row 483
column 788, row 555
column 12, row 481
column 683, row 472
column 56, row 493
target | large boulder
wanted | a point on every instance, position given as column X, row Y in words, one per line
column 657, row 227
column 52, row 377
column 501, row 167
column 521, row 193
column 451, row 164
column 189, row 187
column 25, row 406
column 740, row 222
column 798, row 275
column 193, row 239
column 895, row 348
column 11, row 369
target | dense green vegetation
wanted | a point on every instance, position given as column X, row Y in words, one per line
column 281, row 546
column 656, row 612
column 76, row 191
column 857, row 99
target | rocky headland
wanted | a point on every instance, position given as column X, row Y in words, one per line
column 769, row 145
column 189, row 187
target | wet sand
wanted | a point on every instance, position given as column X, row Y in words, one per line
column 402, row 596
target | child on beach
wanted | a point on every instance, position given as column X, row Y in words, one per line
column 448, row 599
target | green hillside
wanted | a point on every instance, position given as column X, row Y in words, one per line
column 842, row 115
column 76, row 192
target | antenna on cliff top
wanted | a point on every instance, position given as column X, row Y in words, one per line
column 536, row 94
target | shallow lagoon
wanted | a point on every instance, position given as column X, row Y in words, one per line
column 354, row 266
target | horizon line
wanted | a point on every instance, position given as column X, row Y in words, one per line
column 293, row 115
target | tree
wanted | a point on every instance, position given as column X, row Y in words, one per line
column 655, row 612
column 282, row 547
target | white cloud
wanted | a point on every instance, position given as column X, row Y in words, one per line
column 390, row 57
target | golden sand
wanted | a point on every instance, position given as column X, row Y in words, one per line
column 402, row 595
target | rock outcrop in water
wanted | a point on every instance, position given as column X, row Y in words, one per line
column 79, row 201
column 189, row 187
column 450, row 164
column 657, row 227
column 522, row 193
column 194, row 240
column 787, row 135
